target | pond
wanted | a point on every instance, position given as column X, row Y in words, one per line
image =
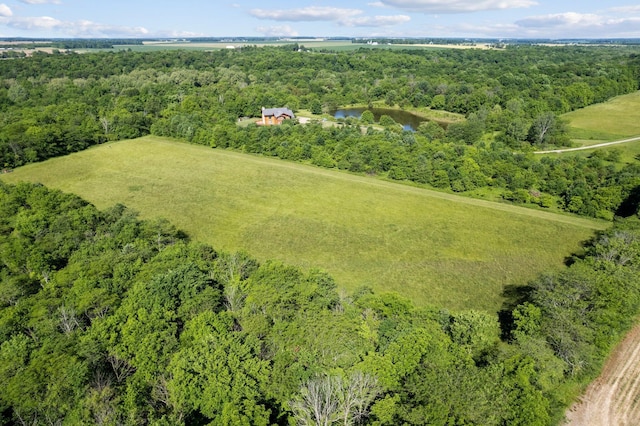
column 408, row 120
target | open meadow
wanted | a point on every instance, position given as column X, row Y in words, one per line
column 432, row 247
column 618, row 118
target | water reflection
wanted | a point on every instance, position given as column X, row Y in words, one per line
column 408, row 120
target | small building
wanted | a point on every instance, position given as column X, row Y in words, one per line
column 275, row 116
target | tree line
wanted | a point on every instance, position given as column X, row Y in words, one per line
column 591, row 186
column 108, row 319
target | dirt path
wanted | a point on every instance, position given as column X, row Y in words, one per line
column 614, row 397
column 599, row 145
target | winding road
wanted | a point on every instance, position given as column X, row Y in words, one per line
column 599, row 145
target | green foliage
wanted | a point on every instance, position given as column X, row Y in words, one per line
column 431, row 130
column 438, row 101
column 387, row 121
column 134, row 324
column 316, row 107
column 581, row 313
column 531, row 406
column 367, row 117
column 468, row 132
column 217, row 373
column 475, row 331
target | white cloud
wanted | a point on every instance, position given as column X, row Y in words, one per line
column 553, row 26
column 626, row 9
column 377, row 4
column 344, row 17
column 568, row 19
column 456, row 6
column 74, row 29
column 53, row 27
column 573, row 24
column 41, row 22
column 278, row 31
column 473, row 30
column 175, row 34
column 41, row 1
column 375, row 21
column 312, row 13
column 5, row 10
column 88, row 28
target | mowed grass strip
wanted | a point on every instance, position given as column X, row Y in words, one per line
column 618, row 118
column 435, row 248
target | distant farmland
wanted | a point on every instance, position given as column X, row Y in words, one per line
column 432, row 247
column 333, row 45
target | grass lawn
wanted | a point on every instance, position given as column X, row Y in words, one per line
column 432, row 247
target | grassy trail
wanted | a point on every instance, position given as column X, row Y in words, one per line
column 582, row 148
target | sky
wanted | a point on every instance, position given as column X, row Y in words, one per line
column 551, row 19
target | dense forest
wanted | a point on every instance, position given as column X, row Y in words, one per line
column 511, row 100
column 106, row 319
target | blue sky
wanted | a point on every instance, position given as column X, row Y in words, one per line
column 360, row 18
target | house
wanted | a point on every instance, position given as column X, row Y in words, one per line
column 275, row 116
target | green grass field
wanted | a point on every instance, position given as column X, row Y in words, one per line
column 618, row 118
column 432, row 247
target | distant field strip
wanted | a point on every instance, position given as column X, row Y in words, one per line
column 433, row 247
column 333, row 45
